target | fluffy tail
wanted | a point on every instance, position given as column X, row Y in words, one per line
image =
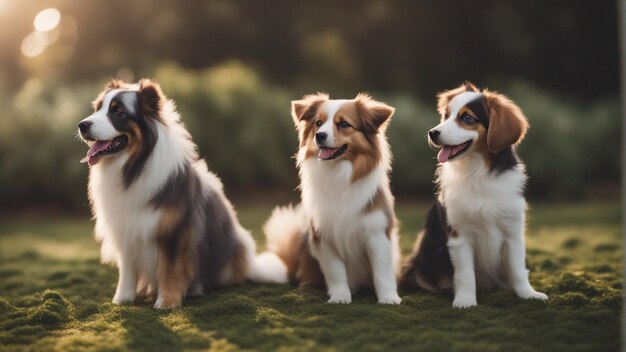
column 284, row 235
column 283, row 232
column 267, row 268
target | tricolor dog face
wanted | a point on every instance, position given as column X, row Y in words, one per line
column 476, row 121
column 124, row 119
column 342, row 129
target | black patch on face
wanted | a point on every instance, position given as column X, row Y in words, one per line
column 478, row 107
column 122, row 118
column 431, row 261
column 503, row 160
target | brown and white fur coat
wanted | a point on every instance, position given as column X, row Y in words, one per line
column 343, row 235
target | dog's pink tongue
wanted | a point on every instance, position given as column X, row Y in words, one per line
column 326, row 153
column 444, row 153
column 96, row 148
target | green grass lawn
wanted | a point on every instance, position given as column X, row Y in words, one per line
column 54, row 295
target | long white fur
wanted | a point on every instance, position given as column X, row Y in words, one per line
column 353, row 245
column 487, row 210
column 125, row 219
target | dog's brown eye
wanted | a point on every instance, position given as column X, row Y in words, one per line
column 318, row 123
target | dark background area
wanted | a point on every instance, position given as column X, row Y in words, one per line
column 234, row 66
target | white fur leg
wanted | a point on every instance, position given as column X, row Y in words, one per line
column 462, row 256
column 127, row 281
column 379, row 252
column 516, row 265
column 334, row 271
column 267, row 268
column 159, row 303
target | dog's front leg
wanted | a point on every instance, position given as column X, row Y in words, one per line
column 380, row 255
column 174, row 273
column 127, row 281
column 334, row 271
column 462, row 256
column 516, row 264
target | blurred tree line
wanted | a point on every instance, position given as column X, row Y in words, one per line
column 234, row 66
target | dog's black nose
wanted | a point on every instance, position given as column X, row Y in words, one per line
column 320, row 137
column 83, row 126
column 434, row 135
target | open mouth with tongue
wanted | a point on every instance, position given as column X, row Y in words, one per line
column 103, row 148
column 449, row 152
column 331, row 153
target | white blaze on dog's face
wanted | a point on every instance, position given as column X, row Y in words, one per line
column 325, row 137
column 344, row 129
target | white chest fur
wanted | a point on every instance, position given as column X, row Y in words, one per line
column 335, row 206
column 476, row 198
column 485, row 209
column 125, row 218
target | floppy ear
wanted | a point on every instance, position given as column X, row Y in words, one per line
column 375, row 114
column 507, row 123
column 305, row 109
column 150, row 97
column 443, row 98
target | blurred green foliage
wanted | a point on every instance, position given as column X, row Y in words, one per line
column 243, row 128
column 234, row 66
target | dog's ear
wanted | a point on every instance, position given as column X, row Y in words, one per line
column 305, row 109
column 150, row 97
column 374, row 114
column 443, row 98
column 507, row 123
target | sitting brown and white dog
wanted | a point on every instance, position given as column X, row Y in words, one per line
column 474, row 234
column 344, row 232
column 161, row 215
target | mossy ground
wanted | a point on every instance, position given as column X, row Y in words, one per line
column 54, row 295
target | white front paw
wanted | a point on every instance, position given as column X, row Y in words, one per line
column 340, row 297
column 389, row 298
column 464, row 300
column 123, row 297
column 532, row 294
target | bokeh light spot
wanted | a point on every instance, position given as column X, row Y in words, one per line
column 47, row 19
column 33, row 44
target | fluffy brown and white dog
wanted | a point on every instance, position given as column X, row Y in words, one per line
column 161, row 215
column 474, row 234
column 344, row 232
